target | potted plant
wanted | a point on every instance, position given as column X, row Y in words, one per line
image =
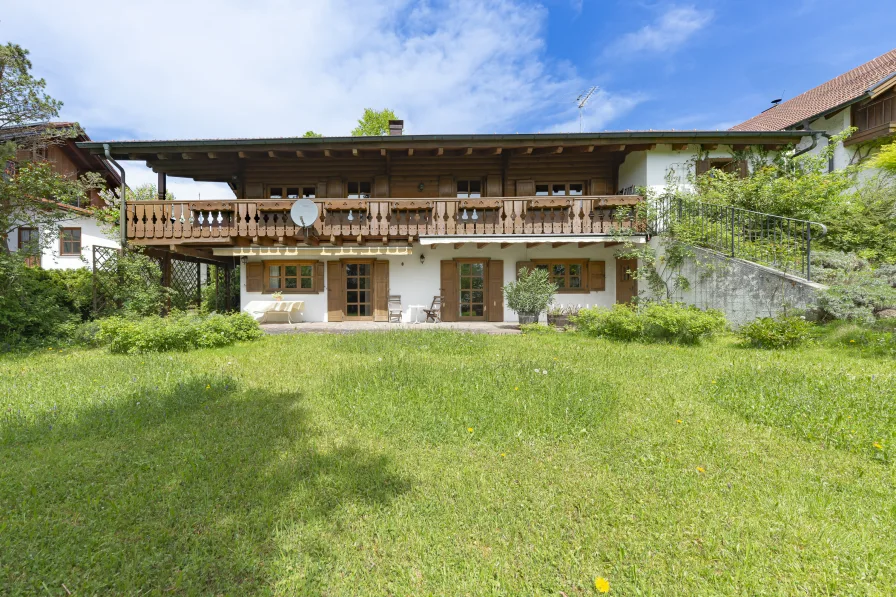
column 557, row 316
column 278, row 296
column 531, row 294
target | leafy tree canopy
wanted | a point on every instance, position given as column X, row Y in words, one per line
column 374, row 122
column 886, row 159
column 311, row 134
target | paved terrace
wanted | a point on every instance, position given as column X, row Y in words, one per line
column 352, row 327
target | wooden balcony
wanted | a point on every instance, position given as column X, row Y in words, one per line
column 241, row 222
column 873, row 119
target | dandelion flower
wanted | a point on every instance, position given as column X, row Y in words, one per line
column 516, row 389
column 713, row 381
column 878, row 446
column 470, row 429
column 678, row 421
column 503, row 455
column 700, row 469
column 208, row 387
column 852, row 341
column 602, row 584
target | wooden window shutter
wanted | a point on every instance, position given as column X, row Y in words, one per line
column 254, row 277
column 381, row 290
column 449, row 290
column 525, row 188
column 335, row 291
column 447, row 188
column 597, row 275
column 493, row 185
column 381, row 186
column 495, row 290
column 319, row 276
column 702, row 166
column 321, row 189
column 600, row 186
column 334, row 188
column 520, row 265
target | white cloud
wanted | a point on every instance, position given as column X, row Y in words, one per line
column 228, row 68
column 673, row 28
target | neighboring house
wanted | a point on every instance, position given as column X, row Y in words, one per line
column 864, row 97
column 418, row 215
column 78, row 234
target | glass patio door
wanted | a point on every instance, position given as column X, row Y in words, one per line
column 472, row 290
column 359, row 290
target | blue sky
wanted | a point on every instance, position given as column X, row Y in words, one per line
column 220, row 68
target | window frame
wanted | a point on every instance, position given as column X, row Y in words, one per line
column 63, row 241
column 284, row 187
column 33, row 257
column 566, row 186
column 583, row 276
column 360, row 194
column 468, row 194
column 266, row 277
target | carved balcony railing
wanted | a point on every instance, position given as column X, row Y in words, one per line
column 265, row 220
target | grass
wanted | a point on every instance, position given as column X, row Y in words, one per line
column 438, row 463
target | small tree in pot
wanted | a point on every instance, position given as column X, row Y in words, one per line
column 531, row 294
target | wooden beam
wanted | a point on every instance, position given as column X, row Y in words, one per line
column 523, row 151
column 469, row 151
column 162, row 156
column 709, row 146
column 242, row 154
column 555, row 245
column 410, row 151
column 740, row 147
column 272, row 154
column 549, row 150
column 505, row 245
column 300, row 153
column 458, row 245
column 498, row 151
column 481, row 245
column 187, row 156
column 530, row 245
column 679, row 146
column 613, row 147
column 583, row 245
column 382, row 153
column 440, row 151
column 327, row 153
column 354, row 152
column 612, row 244
column 212, row 155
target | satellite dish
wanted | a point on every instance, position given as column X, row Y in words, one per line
column 304, row 212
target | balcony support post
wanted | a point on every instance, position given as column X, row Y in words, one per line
column 163, row 186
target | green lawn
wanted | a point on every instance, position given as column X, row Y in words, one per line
column 435, row 463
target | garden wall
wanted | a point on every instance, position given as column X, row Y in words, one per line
column 741, row 289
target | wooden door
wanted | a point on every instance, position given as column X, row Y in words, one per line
column 335, row 291
column 30, row 244
column 473, row 293
column 626, row 284
column 448, row 290
column 495, row 291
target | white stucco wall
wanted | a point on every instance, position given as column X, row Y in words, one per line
column 418, row 283
column 91, row 234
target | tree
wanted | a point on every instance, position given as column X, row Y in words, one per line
column 374, row 123
column 32, row 194
column 311, row 134
column 886, row 159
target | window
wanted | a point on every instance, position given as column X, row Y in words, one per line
column 559, row 189
column 28, row 244
column 292, row 192
column 568, row 275
column 290, row 277
column 358, row 190
column 469, row 188
column 70, row 241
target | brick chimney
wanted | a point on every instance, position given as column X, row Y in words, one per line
column 396, row 127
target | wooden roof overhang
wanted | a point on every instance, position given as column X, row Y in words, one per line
column 222, row 160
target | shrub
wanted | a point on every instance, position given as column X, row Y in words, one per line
column 620, row 323
column 178, row 332
column 779, row 332
column 666, row 322
column 857, row 299
column 538, row 329
column 33, row 301
column 531, row 293
column 679, row 323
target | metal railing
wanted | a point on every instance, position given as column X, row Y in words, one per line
column 775, row 241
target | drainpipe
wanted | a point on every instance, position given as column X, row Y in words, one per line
column 814, row 144
column 122, row 216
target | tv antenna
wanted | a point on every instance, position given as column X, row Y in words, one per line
column 580, row 103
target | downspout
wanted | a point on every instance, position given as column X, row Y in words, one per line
column 122, row 216
column 815, row 144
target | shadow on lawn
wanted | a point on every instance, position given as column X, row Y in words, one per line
column 200, row 488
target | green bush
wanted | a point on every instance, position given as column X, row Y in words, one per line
column 779, row 332
column 679, row 323
column 538, row 329
column 177, row 332
column 531, row 293
column 653, row 322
